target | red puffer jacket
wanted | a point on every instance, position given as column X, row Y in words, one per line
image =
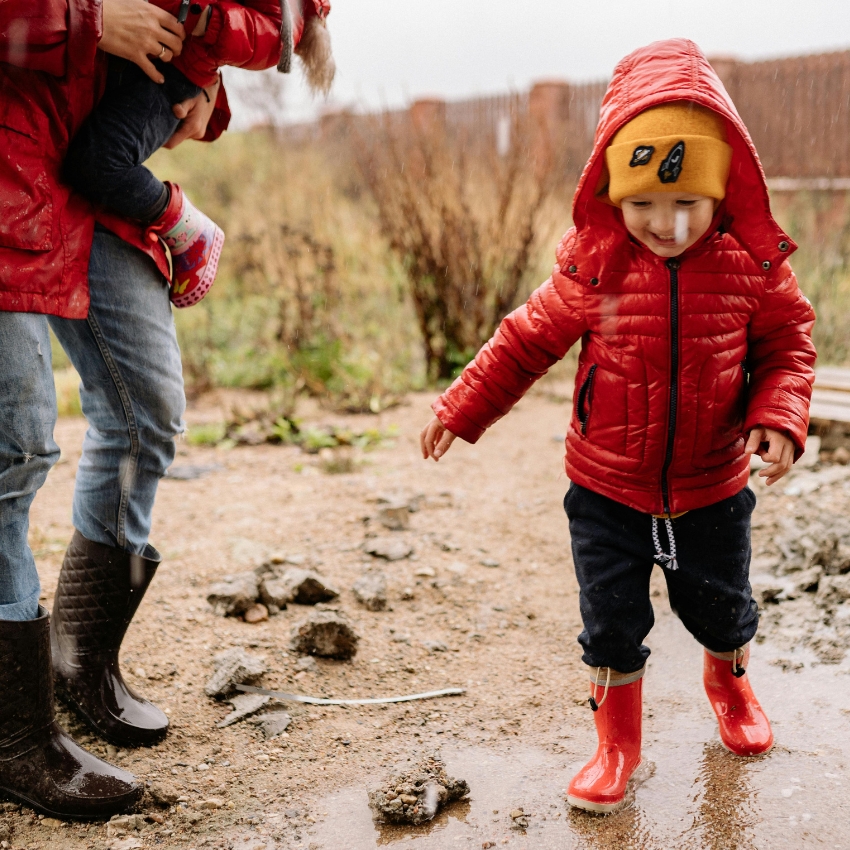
column 680, row 358
column 244, row 34
column 51, row 75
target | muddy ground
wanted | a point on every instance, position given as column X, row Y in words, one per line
column 521, row 728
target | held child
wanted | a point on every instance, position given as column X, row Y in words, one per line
column 696, row 353
column 134, row 118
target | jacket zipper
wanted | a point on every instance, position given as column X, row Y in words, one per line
column 673, row 266
column 584, row 396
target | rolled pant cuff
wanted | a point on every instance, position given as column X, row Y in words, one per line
column 599, row 676
column 18, row 612
column 727, row 656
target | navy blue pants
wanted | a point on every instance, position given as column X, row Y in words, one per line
column 132, row 120
column 613, row 555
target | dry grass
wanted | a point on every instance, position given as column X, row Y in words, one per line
column 820, row 223
column 307, row 297
column 357, row 299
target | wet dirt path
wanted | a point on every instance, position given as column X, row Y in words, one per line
column 508, row 637
column 693, row 793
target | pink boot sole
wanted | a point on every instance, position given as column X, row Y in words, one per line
column 194, row 295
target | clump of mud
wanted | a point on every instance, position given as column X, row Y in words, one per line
column 415, row 795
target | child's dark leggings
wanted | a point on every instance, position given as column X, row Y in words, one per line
column 132, row 120
column 613, row 554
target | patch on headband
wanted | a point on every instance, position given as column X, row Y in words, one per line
column 642, row 155
column 671, row 167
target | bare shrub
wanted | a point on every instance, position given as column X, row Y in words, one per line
column 464, row 219
column 297, row 273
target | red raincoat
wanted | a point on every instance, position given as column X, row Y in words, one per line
column 51, row 76
column 679, row 359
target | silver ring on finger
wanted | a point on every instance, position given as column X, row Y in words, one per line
column 162, row 52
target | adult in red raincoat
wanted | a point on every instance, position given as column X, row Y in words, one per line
column 99, row 283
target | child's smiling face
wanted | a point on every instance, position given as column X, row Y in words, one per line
column 668, row 223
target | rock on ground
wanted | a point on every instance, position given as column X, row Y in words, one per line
column 304, row 587
column 234, row 594
column 417, row 794
column 371, row 590
column 307, row 663
column 395, row 516
column 390, row 548
column 244, row 705
column 234, row 667
column 274, row 723
column 325, row 633
column 833, row 590
column 257, row 613
column 162, row 794
column 275, row 591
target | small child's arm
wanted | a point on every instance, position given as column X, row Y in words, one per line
column 781, row 358
column 526, row 344
column 244, row 36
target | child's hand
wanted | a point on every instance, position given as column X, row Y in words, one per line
column 779, row 452
column 435, row 439
column 194, row 115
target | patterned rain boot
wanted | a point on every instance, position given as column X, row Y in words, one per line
column 195, row 243
column 600, row 786
column 744, row 727
column 100, row 588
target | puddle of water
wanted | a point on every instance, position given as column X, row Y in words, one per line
column 698, row 797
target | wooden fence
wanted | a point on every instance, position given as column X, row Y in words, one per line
column 797, row 110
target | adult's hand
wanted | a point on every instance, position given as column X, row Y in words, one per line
column 136, row 30
column 194, row 114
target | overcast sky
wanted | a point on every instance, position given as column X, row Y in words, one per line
column 389, row 53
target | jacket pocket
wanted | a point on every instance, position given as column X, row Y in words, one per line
column 26, row 202
column 611, row 413
column 583, row 400
column 720, row 419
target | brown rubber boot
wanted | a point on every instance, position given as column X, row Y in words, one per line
column 100, row 588
column 40, row 765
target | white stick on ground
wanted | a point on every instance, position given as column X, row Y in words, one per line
column 447, row 692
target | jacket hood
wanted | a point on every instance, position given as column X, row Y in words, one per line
column 662, row 72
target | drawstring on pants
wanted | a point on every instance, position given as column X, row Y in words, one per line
column 661, row 557
column 737, row 669
column 597, row 705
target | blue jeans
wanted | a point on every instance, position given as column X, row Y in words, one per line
column 132, row 120
column 132, row 395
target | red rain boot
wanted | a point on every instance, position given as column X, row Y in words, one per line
column 600, row 786
column 744, row 727
column 195, row 243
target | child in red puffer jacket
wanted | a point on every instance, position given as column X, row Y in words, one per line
column 696, row 353
column 135, row 118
